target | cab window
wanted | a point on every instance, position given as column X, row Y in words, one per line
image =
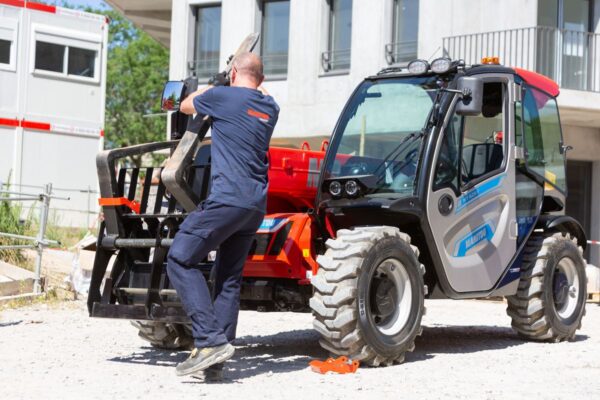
column 473, row 146
column 543, row 137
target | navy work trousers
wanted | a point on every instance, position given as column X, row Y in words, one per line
column 230, row 231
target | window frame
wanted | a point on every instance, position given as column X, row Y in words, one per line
column 8, row 31
column 462, row 187
column 67, row 38
column 196, row 34
column 261, row 22
column 328, row 40
column 390, row 53
column 541, row 180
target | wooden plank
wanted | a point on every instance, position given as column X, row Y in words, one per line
column 15, row 273
column 593, row 298
column 16, row 287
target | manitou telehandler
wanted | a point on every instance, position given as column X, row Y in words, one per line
column 440, row 180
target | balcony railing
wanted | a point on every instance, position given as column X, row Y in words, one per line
column 275, row 64
column 204, row 68
column 400, row 52
column 571, row 58
column 335, row 60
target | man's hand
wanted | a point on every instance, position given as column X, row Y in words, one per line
column 220, row 79
column 187, row 105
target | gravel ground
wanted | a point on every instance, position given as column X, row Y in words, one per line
column 467, row 351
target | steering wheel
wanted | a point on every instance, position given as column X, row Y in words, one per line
column 445, row 169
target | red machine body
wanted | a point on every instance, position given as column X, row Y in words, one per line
column 283, row 241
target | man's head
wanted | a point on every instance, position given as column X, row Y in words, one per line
column 247, row 70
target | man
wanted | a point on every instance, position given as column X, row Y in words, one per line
column 243, row 118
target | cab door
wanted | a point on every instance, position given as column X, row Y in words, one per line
column 471, row 201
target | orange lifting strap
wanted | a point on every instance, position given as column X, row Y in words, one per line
column 120, row 201
column 341, row 365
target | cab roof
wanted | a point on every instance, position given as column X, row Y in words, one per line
column 534, row 79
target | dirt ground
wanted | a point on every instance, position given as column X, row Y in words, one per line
column 467, row 351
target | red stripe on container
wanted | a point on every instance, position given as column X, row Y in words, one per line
column 40, row 126
column 101, row 132
column 9, row 122
column 40, row 7
column 15, row 3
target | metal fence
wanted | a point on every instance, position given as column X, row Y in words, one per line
column 38, row 242
column 89, row 210
column 571, row 58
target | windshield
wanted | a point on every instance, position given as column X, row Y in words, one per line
column 380, row 132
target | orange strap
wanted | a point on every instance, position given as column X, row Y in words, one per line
column 341, row 365
column 120, row 201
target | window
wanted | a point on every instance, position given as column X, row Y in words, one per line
column 275, row 36
column 473, row 145
column 337, row 56
column 5, row 51
column 207, row 49
column 56, row 53
column 543, row 137
column 8, row 43
column 405, row 32
column 50, row 57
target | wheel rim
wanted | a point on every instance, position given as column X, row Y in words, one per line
column 390, row 297
column 566, row 289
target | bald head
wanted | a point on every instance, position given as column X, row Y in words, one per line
column 248, row 69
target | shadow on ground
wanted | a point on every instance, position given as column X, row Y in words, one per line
column 292, row 350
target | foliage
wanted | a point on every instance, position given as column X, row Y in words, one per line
column 137, row 70
column 10, row 222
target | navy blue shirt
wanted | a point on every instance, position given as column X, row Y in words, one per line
column 243, row 120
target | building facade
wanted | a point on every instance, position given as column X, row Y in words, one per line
column 52, row 95
column 317, row 51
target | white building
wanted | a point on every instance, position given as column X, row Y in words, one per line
column 52, row 95
column 317, row 51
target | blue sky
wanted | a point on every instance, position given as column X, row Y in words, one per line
column 92, row 3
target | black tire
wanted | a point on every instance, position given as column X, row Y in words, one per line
column 165, row 336
column 542, row 310
column 360, row 309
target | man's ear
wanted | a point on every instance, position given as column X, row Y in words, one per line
column 233, row 76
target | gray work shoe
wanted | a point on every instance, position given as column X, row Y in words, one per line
column 201, row 359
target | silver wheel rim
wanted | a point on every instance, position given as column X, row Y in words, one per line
column 396, row 272
column 567, row 267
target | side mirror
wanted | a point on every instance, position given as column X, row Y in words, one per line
column 172, row 95
column 472, row 96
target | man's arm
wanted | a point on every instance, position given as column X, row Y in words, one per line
column 263, row 90
column 187, row 105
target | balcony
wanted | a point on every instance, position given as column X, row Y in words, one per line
column 204, row 68
column 571, row 58
column 336, row 60
column 275, row 64
column 400, row 52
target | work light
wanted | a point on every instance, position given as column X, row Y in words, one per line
column 418, row 67
column 441, row 65
column 351, row 188
column 335, row 188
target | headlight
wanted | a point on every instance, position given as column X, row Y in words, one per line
column 418, row 67
column 335, row 188
column 441, row 65
column 351, row 188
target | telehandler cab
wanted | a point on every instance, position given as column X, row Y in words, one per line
column 439, row 181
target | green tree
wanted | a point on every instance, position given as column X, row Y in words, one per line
column 136, row 73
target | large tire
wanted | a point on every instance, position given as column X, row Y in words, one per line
column 550, row 301
column 369, row 295
column 165, row 336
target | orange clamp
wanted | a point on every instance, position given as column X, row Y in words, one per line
column 340, row 365
column 120, row 201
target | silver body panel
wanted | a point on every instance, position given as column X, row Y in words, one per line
column 477, row 240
